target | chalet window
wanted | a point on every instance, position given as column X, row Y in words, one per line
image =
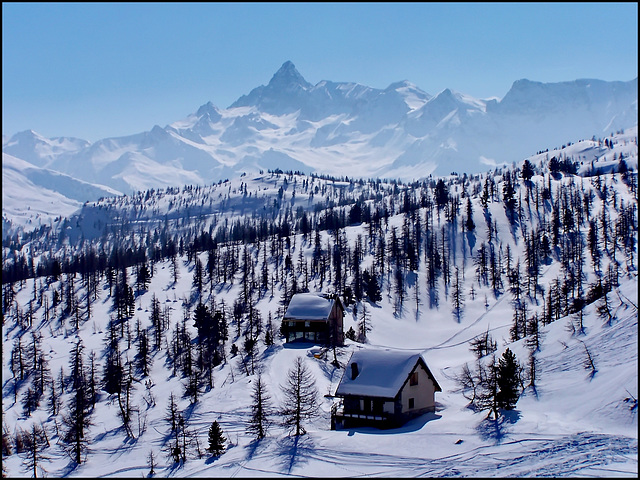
column 292, row 324
column 411, row 403
column 307, row 323
column 413, row 380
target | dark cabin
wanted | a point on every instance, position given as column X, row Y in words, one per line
column 314, row 318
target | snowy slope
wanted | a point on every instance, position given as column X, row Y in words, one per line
column 573, row 426
column 574, row 423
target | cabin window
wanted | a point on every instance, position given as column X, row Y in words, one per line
column 292, row 324
column 307, row 323
column 413, row 380
column 411, row 403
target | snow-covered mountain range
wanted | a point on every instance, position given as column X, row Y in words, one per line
column 53, row 196
column 342, row 129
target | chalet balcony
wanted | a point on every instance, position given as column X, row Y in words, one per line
column 352, row 418
column 374, row 417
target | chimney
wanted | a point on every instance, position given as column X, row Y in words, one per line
column 354, row 370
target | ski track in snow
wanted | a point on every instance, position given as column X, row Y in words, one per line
column 583, row 454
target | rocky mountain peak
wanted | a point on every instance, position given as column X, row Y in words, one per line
column 288, row 76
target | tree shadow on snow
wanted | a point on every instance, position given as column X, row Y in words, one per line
column 68, row 469
column 294, row 451
column 211, row 459
column 497, row 429
column 531, row 389
column 270, row 351
column 252, row 447
column 188, row 411
column 471, row 241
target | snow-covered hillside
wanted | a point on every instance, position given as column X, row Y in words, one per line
column 33, row 196
column 343, row 129
column 588, row 154
column 563, row 243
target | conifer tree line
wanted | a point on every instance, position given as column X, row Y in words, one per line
column 436, row 231
column 420, row 245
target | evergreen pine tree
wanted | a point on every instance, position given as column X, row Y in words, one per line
column 216, row 440
column 457, row 297
column 351, row 334
column 469, row 224
column 78, row 417
column 527, row 170
column 371, row 286
column 508, row 380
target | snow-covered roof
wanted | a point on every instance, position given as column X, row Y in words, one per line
column 309, row 306
column 381, row 372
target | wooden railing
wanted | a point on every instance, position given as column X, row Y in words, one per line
column 337, row 411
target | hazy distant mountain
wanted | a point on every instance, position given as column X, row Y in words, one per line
column 343, row 129
column 34, row 196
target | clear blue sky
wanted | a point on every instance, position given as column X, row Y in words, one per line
column 105, row 70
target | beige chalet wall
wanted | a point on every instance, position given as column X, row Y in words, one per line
column 424, row 393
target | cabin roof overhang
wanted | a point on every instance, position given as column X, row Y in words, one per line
column 310, row 307
column 359, row 395
column 381, row 374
